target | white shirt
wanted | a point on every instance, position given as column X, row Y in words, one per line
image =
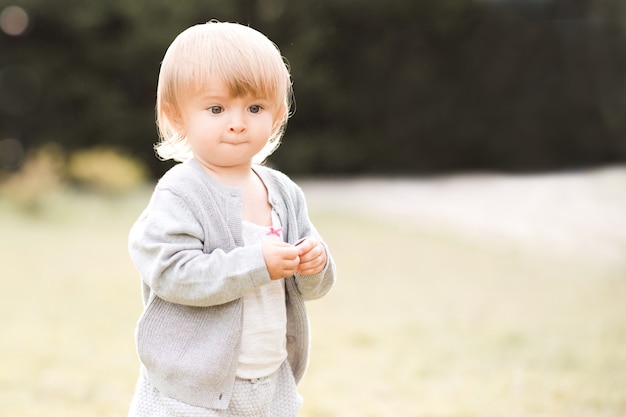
column 263, row 343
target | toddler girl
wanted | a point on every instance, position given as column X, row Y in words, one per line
column 225, row 248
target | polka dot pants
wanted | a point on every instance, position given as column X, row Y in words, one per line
column 272, row 396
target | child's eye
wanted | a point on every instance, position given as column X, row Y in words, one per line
column 255, row 108
column 216, row 109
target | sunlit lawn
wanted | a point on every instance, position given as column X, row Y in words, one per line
column 419, row 324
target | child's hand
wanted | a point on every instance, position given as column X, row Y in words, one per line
column 312, row 256
column 281, row 259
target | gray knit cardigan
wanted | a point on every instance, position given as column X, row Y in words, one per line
column 188, row 248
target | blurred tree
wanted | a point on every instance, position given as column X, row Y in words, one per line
column 388, row 87
column 454, row 85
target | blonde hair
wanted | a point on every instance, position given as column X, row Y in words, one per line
column 241, row 57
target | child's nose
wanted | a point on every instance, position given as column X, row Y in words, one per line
column 236, row 123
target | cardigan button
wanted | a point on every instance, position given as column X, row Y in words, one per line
column 291, row 339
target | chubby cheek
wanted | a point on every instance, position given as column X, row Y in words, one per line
column 200, row 130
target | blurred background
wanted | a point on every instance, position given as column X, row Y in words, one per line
column 398, row 87
column 464, row 159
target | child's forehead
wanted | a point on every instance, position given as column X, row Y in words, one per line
column 213, row 88
column 224, row 89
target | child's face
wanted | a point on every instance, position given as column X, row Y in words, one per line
column 225, row 131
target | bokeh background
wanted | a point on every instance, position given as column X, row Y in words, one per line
column 382, row 87
column 464, row 159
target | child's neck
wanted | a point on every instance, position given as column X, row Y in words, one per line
column 232, row 177
column 256, row 207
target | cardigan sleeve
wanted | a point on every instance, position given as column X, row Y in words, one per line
column 313, row 286
column 166, row 245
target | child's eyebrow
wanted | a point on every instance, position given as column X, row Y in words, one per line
column 213, row 96
column 222, row 97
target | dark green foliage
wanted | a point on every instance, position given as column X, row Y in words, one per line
column 400, row 87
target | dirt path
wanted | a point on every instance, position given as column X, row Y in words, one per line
column 577, row 214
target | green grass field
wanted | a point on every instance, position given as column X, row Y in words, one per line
column 419, row 324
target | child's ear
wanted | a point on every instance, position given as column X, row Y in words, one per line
column 173, row 116
column 281, row 115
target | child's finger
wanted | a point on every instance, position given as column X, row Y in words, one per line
column 310, row 268
column 305, row 245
